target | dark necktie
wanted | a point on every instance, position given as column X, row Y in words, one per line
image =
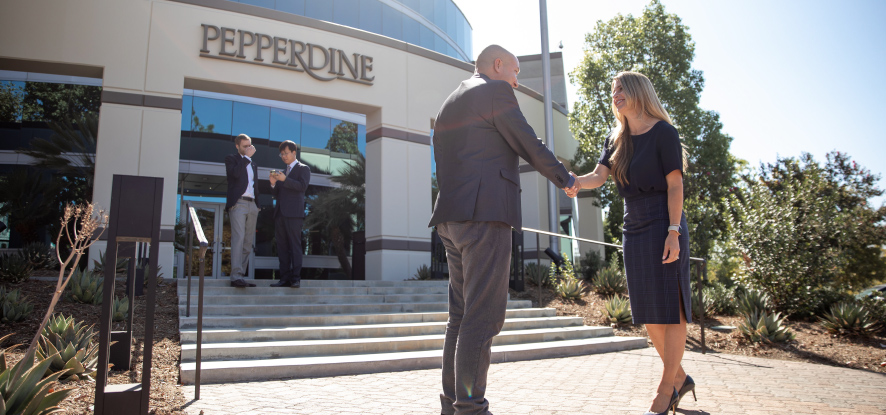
column 287, row 171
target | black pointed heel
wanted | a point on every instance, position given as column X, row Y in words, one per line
column 688, row 386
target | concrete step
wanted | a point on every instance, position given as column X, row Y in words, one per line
column 265, row 320
column 228, row 290
column 226, row 282
column 310, row 367
column 301, row 309
column 337, row 347
column 209, row 300
column 359, row 331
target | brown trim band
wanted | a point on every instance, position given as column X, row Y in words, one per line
column 398, row 245
column 57, row 68
column 139, row 100
column 397, row 135
column 166, row 235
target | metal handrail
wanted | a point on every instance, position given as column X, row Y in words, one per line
column 700, row 274
column 197, row 231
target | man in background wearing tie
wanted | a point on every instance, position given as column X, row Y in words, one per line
column 289, row 189
column 242, row 207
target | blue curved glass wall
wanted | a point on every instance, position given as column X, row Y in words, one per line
column 412, row 21
column 327, row 144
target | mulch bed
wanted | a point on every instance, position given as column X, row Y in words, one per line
column 813, row 343
column 166, row 393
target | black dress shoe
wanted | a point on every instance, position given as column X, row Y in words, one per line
column 296, row 284
column 240, row 283
column 282, row 283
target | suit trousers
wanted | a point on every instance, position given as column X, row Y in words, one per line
column 289, row 247
column 243, row 216
column 478, row 255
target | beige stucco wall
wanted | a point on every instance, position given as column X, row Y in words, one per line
column 151, row 47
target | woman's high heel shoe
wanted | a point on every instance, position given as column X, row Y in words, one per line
column 672, row 406
column 688, row 385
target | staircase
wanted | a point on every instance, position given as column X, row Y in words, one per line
column 331, row 328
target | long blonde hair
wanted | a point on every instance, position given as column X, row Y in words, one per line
column 639, row 94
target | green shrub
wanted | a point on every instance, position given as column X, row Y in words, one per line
column 590, row 264
column 610, row 281
column 876, row 308
column 86, row 287
column 538, row 274
column 40, row 255
column 849, row 318
column 14, row 268
column 818, row 301
column 68, row 345
column 697, row 305
column 765, row 327
column 27, row 394
column 14, row 306
column 723, row 299
column 618, row 309
column 121, row 309
column 753, row 302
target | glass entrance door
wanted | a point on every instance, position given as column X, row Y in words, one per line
column 217, row 229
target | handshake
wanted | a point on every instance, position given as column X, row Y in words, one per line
column 573, row 191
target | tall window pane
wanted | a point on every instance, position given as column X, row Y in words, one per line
column 292, row 6
column 252, row 120
column 440, row 44
column 440, row 13
column 451, row 11
column 347, row 12
column 285, row 125
column 211, row 116
column 315, row 131
column 343, row 138
column 370, row 16
column 411, row 31
column 13, row 93
column 187, row 102
column 392, row 22
column 426, row 38
column 427, row 9
column 361, row 138
column 458, row 35
column 319, row 9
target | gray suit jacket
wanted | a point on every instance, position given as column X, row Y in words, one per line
column 479, row 136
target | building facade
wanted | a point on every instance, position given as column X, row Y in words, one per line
column 176, row 80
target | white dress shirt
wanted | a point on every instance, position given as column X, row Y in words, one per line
column 250, row 191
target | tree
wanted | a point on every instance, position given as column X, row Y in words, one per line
column 340, row 211
column 10, row 102
column 344, row 138
column 44, row 101
column 70, row 150
column 804, row 229
column 658, row 45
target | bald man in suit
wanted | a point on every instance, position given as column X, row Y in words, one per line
column 479, row 136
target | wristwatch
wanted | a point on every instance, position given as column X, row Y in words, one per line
column 675, row 228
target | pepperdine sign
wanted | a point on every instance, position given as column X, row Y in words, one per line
column 321, row 63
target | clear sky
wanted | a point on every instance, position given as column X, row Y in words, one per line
column 786, row 76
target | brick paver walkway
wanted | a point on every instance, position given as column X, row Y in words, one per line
column 611, row 383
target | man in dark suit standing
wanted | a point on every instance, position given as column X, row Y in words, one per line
column 242, row 207
column 479, row 136
column 289, row 189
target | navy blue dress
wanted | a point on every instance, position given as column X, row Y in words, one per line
column 656, row 290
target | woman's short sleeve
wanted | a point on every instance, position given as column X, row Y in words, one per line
column 604, row 156
column 670, row 151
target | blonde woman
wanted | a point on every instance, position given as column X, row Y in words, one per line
column 644, row 156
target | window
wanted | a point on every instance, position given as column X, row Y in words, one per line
column 187, row 107
column 347, row 12
column 211, row 116
column 252, row 120
column 392, row 22
column 292, row 6
column 370, row 16
column 319, row 9
column 411, row 31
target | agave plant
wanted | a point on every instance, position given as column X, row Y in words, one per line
column 14, row 306
column 610, row 281
column 765, row 327
column 618, row 309
column 699, row 306
column 849, row 318
column 569, row 288
column 753, row 302
column 27, row 394
column 539, row 275
column 99, row 265
column 14, row 268
column 121, row 309
column 68, row 345
column 86, row 287
column 40, row 255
